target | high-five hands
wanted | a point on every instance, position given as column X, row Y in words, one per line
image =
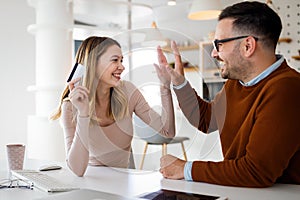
column 79, row 96
column 176, row 75
column 161, row 71
column 172, row 167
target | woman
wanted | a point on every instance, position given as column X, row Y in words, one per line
column 97, row 116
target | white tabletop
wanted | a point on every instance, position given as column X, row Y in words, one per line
column 132, row 183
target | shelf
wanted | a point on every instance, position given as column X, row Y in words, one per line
column 214, row 80
column 191, row 69
column 187, row 48
column 296, row 57
column 181, row 48
column 287, row 40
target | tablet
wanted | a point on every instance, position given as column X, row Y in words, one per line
column 177, row 195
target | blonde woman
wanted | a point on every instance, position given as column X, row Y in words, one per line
column 96, row 116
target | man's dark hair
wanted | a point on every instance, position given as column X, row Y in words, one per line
column 256, row 19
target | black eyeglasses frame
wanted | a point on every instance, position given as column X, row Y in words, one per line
column 216, row 42
column 15, row 183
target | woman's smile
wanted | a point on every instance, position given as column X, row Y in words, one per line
column 117, row 75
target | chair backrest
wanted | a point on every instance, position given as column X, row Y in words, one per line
column 131, row 164
column 145, row 132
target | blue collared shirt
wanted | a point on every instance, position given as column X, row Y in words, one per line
column 188, row 165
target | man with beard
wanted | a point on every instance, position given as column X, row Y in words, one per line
column 257, row 110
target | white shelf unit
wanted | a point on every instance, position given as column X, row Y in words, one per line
column 211, row 79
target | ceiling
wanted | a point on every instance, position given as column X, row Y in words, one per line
column 116, row 12
column 113, row 16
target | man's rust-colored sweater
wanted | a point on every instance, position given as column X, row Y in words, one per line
column 259, row 127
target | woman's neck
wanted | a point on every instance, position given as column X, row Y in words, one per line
column 102, row 93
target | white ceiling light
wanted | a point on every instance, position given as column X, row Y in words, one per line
column 172, row 3
column 100, row 13
column 154, row 37
column 205, row 9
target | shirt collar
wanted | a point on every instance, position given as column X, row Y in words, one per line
column 265, row 73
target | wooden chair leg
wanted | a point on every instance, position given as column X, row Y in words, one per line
column 164, row 149
column 184, row 153
column 144, row 154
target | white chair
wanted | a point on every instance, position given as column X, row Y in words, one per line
column 151, row 137
column 131, row 164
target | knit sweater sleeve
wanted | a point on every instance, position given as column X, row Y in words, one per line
column 76, row 139
column 196, row 110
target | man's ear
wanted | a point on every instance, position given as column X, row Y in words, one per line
column 249, row 46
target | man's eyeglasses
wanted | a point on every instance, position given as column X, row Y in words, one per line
column 217, row 42
column 15, row 183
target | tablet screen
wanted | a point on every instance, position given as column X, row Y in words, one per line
column 176, row 195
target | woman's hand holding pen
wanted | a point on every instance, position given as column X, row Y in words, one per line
column 79, row 96
column 176, row 75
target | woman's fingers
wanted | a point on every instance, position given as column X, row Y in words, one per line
column 165, row 72
column 78, row 95
column 161, row 57
column 73, row 83
column 79, row 92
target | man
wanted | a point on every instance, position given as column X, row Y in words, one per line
column 256, row 112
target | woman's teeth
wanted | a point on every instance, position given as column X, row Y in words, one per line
column 117, row 75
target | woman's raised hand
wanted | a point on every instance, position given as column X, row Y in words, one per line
column 165, row 72
column 79, row 96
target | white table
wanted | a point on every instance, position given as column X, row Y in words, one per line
column 135, row 182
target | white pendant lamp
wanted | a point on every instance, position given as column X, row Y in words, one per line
column 172, row 3
column 154, row 37
column 205, row 9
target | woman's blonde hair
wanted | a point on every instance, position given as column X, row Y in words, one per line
column 88, row 54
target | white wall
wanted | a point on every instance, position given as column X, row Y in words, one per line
column 18, row 71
